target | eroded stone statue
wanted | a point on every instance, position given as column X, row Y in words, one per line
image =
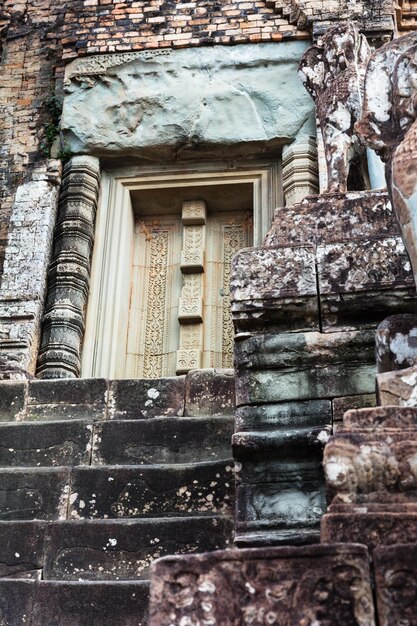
column 388, row 125
column 333, row 72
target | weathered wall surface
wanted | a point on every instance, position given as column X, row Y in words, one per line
column 37, row 38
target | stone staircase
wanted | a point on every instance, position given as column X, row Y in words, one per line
column 99, row 478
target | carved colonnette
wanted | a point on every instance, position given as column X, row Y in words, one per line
column 69, row 273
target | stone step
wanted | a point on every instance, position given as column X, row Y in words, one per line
column 122, row 442
column 115, row 492
column 43, row 444
column 103, row 549
column 162, row 440
column 153, row 490
column 200, row 392
column 57, row 603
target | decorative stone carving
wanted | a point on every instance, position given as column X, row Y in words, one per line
column 25, row 268
column 300, row 170
column 395, row 583
column 333, row 73
column 309, row 585
column 69, row 273
column 189, row 354
column 389, row 126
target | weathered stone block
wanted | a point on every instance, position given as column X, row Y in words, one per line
column 133, row 399
column 372, row 529
column 285, row 415
column 281, row 512
column 88, row 603
column 366, row 309
column 332, row 218
column 397, row 388
column 276, row 585
column 210, row 392
column 198, row 105
column 274, row 286
column 320, row 382
column 16, row 601
column 44, row 444
column 379, row 268
column 395, row 582
column 67, row 399
column 116, row 550
column 396, row 343
column 12, row 400
column 381, row 418
column 162, row 440
column 347, row 403
column 140, row 492
column 21, row 549
column 298, row 352
column 40, row 493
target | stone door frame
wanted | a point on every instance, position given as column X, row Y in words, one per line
column 107, row 318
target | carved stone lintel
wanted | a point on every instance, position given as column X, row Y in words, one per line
column 69, row 273
column 300, row 171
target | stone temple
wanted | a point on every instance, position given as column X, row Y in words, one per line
column 208, row 313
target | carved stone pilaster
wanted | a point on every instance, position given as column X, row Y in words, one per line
column 69, row 272
column 189, row 354
column 300, row 170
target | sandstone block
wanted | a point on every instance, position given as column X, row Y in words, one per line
column 87, row 603
column 21, row 549
column 379, row 268
column 116, row 550
column 285, row 415
column 198, row 105
column 368, row 462
column 372, row 529
column 348, row 403
column 45, row 444
column 395, row 581
column 381, row 418
column 142, row 398
column 210, row 392
column 40, row 493
column 398, row 388
column 67, row 399
column 276, row 585
column 333, row 218
column 162, row 440
column 149, row 490
column 12, row 400
column 274, row 287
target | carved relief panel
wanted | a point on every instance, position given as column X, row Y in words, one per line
column 179, row 315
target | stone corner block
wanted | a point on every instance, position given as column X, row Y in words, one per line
column 396, row 343
column 210, row 392
column 143, row 398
